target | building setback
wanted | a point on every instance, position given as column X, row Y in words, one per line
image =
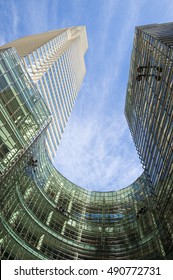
column 45, row 216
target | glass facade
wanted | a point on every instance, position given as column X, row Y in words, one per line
column 149, row 113
column 45, row 216
column 55, row 62
column 23, row 112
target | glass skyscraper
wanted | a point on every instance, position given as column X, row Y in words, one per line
column 55, row 62
column 44, row 215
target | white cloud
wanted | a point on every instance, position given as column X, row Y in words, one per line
column 15, row 18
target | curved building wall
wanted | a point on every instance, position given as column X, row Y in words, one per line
column 48, row 217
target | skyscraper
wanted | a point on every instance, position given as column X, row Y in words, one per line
column 55, row 63
column 45, row 216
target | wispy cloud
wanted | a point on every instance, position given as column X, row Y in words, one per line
column 36, row 18
column 99, row 157
column 97, row 141
column 15, row 18
column 9, row 21
column 22, row 17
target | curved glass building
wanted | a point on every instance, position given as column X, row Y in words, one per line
column 45, row 216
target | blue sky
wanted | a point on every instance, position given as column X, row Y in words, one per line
column 96, row 151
